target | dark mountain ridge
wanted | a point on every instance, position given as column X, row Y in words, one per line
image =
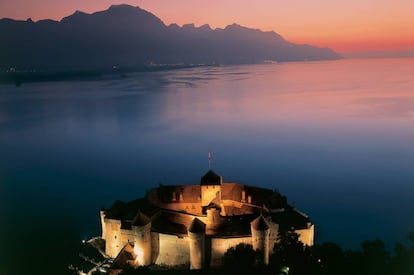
column 130, row 37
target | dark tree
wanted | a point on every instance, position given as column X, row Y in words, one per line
column 375, row 259
column 403, row 261
column 330, row 258
column 241, row 257
column 291, row 255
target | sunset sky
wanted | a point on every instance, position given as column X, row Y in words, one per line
column 345, row 26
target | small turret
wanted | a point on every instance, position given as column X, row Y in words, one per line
column 213, row 218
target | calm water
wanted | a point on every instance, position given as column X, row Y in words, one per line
column 337, row 138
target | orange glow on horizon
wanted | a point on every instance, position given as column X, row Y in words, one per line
column 360, row 44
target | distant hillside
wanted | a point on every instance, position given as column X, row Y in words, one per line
column 130, row 37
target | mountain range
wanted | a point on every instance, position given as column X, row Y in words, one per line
column 129, row 37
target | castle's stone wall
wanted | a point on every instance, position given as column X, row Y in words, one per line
column 102, row 216
column 260, row 241
column 193, row 208
column 113, row 237
column 155, row 246
column 219, row 246
column 209, row 193
column 273, row 235
column 173, row 250
column 306, row 236
column 142, row 243
column 181, row 207
column 197, row 250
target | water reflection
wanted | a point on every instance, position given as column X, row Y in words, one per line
column 335, row 137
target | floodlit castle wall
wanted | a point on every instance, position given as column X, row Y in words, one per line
column 113, row 237
column 197, row 250
column 219, row 246
column 155, row 246
column 273, row 235
column 142, row 243
column 173, row 250
column 260, row 241
column 306, row 236
column 209, row 193
column 103, row 224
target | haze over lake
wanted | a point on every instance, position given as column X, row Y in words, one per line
column 335, row 137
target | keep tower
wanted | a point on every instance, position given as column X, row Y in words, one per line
column 210, row 188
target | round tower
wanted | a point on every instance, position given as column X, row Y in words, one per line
column 213, row 220
column 141, row 226
column 196, row 234
column 260, row 237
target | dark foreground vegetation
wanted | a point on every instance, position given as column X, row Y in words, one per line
column 291, row 257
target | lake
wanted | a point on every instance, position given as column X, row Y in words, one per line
column 337, row 138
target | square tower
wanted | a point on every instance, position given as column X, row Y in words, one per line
column 210, row 188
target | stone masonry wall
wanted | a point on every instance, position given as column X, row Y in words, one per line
column 173, row 250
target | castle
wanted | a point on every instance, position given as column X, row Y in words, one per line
column 194, row 225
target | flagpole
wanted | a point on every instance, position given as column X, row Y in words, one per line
column 209, row 160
